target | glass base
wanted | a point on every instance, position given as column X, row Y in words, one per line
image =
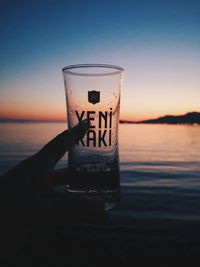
column 110, row 197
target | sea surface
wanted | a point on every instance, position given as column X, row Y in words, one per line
column 160, row 166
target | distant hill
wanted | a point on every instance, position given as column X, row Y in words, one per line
column 122, row 121
column 188, row 118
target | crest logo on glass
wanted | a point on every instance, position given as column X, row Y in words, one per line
column 94, row 97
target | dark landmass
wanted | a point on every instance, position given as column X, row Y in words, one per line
column 122, row 121
column 188, row 118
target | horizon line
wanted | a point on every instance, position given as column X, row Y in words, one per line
column 29, row 120
column 65, row 121
column 53, row 121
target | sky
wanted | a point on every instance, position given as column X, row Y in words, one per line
column 156, row 42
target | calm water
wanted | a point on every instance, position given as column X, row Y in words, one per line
column 160, row 164
column 162, row 151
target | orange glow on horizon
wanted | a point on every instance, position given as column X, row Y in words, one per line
column 61, row 116
column 48, row 116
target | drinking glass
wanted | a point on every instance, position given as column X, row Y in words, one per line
column 93, row 93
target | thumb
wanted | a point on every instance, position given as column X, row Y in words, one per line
column 57, row 147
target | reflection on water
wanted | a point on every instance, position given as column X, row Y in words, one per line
column 160, row 149
column 160, row 143
column 160, row 165
column 160, row 155
column 20, row 140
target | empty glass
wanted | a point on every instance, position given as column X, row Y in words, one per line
column 93, row 93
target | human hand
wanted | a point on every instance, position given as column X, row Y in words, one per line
column 28, row 188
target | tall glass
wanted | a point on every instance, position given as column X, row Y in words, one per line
column 93, row 93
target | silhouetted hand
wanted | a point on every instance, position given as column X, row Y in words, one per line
column 27, row 191
column 28, row 188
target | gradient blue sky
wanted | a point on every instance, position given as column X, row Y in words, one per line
column 157, row 43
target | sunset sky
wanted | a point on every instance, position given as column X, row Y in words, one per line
column 156, row 42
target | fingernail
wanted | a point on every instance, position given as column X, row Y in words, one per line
column 82, row 127
column 85, row 124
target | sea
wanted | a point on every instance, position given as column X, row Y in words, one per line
column 159, row 167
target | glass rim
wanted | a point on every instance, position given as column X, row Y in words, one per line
column 70, row 69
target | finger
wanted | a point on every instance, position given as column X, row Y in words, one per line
column 56, row 148
column 70, row 210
